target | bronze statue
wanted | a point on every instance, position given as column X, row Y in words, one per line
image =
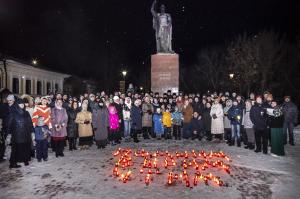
column 162, row 24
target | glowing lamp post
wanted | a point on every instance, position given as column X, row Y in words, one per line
column 231, row 75
column 34, row 62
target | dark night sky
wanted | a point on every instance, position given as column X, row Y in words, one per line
column 81, row 36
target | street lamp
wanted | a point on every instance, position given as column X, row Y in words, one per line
column 141, row 88
column 124, row 73
column 231, row 75
column 34, row 62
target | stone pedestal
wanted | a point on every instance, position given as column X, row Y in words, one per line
column 165, row 73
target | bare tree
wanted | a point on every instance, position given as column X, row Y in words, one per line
column 255, row 58
column 212, row 67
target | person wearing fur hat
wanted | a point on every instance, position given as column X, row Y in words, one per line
column 20, row 127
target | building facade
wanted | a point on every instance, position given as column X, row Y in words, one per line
column 22, row 78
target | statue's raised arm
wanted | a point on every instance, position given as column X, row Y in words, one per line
column 154, row 13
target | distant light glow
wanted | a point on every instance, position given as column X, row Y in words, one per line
column 34, row 62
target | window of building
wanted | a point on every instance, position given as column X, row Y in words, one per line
column 39, row 87
column 48, row 87
column 15, row 86
column 28, row 86
column 56, row 87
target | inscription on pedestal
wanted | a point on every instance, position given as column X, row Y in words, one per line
column 165, row 73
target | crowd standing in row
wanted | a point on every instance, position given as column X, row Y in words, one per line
column 58, row 121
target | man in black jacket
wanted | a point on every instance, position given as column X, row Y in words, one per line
column 258, row 117
column 290, row 112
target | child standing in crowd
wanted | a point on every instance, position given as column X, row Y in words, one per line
column 177, row 119
column 158, row 125
column 235, row 116
column 187, row 112
column 114, row 125
column 167, row 122
column 42, row 133
column 197, row 128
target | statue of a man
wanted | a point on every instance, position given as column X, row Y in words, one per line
column 162, row 24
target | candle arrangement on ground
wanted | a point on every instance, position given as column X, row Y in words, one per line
column 189, row 167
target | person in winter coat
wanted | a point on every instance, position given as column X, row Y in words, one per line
column 42, row 111
column 207, row 121
column 248, row 125
column 187, row 112
column 72, row 127
column 85, row 131
column 227, row 122
column 259, row 118
column 197, row 106
column 101, row 125
column 217, row 124
column 290, row 113
column 167, row 122
column 59, row 120
column 136, row 119
column 235, row 116
column 42, row 133
column 276, row 125
column 197, row 127
column 147, row 109
column 177, row 119
column 114, row 125
column 20, row 127
column 127, row 118
column 119, row 107
column 158, row 125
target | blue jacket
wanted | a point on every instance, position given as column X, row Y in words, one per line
column 158, row 125
column 177, row 118
column 235, row 114
column 38, row 132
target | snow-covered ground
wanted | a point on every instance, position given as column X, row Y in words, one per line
column 88, row 174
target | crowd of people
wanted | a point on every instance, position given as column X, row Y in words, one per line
column 35, row 124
